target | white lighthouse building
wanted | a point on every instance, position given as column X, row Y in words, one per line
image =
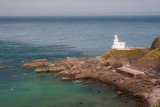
column 117, row 44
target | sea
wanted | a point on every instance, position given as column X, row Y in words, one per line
column 24, row 39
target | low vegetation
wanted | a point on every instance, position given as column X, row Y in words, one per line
column 123, row 53
column 151, row 55
column 106, row 55
column 128, row 53
column 158, row 104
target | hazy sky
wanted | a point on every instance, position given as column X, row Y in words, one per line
column 78, row 7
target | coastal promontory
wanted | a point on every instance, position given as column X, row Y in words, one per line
column 133, row 71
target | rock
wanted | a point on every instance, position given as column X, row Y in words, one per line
column 99, row 91
column 77, row 81
column 152, row 73
column 155, row 43
column 129, row 72
column 119, row 92
column 5, row 66
column 37, row 63
column 80, row 103
column 66, row 78
column 95, row 69
column 43, row 65
column 70, row 62
column 50, row 68
column 41, row 69
column 154, row 97
column 56, row 68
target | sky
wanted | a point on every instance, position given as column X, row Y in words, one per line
column 78, row 7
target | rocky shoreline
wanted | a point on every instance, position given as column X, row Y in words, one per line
column 97, row 69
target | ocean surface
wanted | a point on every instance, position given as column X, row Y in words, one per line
column 27, row 38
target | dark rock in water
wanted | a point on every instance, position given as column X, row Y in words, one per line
column 119, row 92
column 155, row 43
column 5, row 66
column 80, row 103
column 99, row 91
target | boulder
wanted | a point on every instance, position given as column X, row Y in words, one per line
column 155, row 43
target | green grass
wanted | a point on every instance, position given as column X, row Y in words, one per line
column 128, row 53
column 122, row 53
column 151, row 55
column 106, row 55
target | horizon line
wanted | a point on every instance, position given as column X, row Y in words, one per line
column 82, row 16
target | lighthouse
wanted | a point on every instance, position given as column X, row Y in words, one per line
column 117, row 44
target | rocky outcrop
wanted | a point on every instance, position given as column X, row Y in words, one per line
column 37, row 63
column 155, row 43
column 153, row 73
column 72, row 62
column 129, row 72
column 50, row 68
column 43, row 65
column 5, row 66
column 97, row 69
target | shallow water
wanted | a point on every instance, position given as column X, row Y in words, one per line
column 42, row 90
column 25, row 39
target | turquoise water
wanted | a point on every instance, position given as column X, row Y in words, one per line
column 46, row 91
column 27, row 38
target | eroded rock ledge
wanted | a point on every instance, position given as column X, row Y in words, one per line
column 5, row 66
column 141, row 86
column 43, row 65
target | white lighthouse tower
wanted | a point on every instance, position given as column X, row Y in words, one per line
column 117, row 44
